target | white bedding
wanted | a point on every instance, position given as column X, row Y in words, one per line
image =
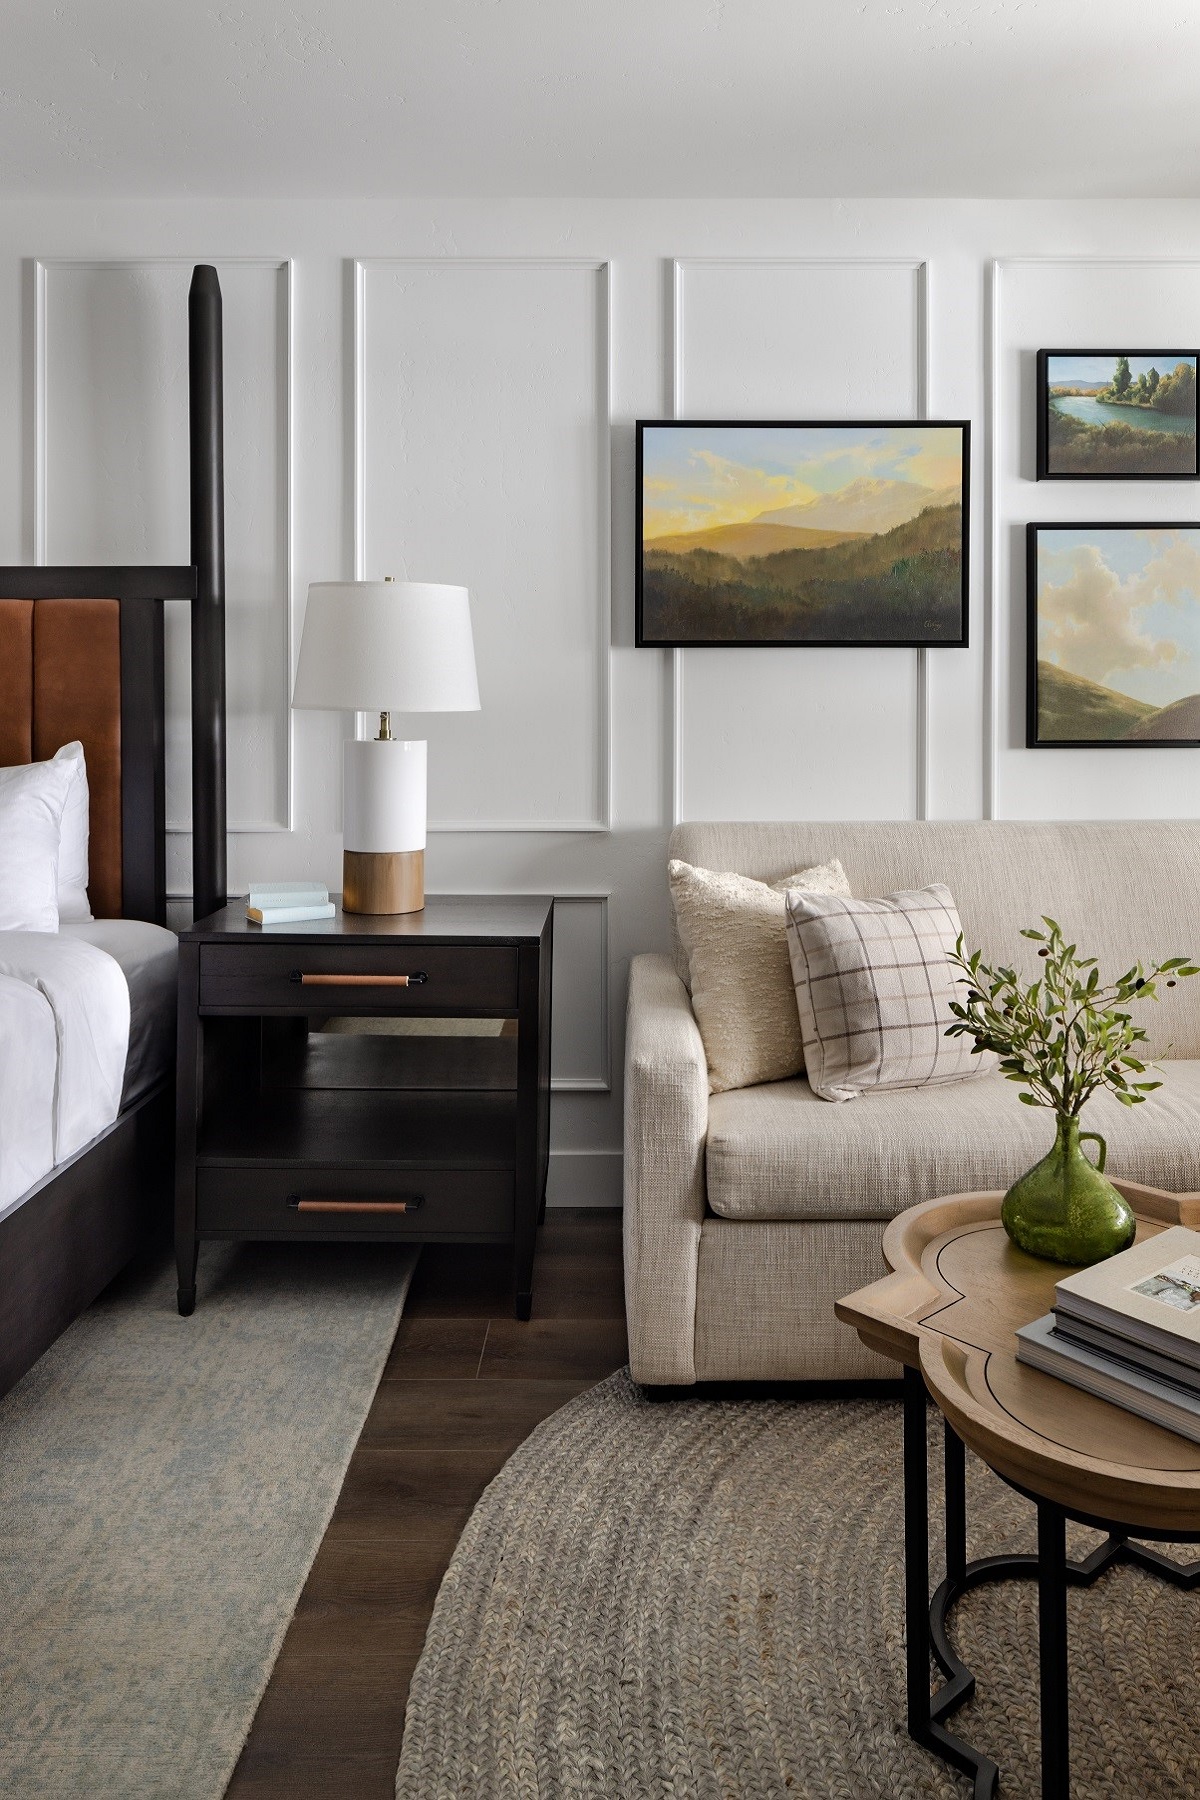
column 64, row 1037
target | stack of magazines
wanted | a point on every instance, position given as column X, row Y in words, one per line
column 287, row 902
column 1128, row 1330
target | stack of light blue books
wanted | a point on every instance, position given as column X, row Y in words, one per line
column 287, row 902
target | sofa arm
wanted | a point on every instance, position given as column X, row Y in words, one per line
column 666, row 1124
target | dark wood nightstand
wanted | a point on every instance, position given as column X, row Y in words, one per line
column 289, row 1129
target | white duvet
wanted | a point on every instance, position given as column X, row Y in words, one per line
column 64, row 1038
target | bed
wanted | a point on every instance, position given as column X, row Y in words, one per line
column 87, row 1013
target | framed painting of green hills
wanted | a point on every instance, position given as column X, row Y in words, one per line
column 807, row 533
column 1114, row 635
column 1116, row 415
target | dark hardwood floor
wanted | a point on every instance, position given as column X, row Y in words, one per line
column 464, row 1384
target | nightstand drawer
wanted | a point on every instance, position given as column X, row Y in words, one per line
column 333, row 1203
column 348, row 978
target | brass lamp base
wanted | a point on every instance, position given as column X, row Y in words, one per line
column 383, row 881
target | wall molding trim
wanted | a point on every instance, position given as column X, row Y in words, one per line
column 602, row 1082
column 283, row 265
column 602, row 819
column 586, row 1178
column 921, row 355
column 991, row 669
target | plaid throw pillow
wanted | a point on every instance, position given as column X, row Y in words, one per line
column 873, row 989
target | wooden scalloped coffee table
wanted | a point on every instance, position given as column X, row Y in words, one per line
column 948, row 1312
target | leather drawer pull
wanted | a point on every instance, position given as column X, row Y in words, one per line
column 355, row 1206
column 417, row 980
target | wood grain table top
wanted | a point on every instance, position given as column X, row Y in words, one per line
column 957, row 1291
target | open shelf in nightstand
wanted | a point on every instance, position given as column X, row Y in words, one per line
column 356, row 1129
column 371, row 1059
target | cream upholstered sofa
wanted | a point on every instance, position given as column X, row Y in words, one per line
column 748, row 1213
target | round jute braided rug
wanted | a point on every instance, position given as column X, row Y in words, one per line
column 706, row 1598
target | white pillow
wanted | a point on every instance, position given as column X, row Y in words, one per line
column 73, row 841
column 734, row 932
column 32, row 799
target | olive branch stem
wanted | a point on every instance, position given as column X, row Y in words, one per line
column 1064, row 1035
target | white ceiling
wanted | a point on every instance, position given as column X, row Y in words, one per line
column 600, row 97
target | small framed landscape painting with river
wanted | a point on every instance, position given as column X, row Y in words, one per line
column 802, row 534
column 1114, row 635
column 1116, row 415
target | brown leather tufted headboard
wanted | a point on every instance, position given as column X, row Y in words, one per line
column 60, row 678
column 81, row 656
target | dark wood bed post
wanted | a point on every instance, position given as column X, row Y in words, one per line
column 71, row 1233
column 206, row 414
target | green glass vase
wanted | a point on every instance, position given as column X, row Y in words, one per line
column 1064, row 1208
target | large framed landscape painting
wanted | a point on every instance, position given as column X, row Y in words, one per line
column 1114, row 635
column 807, row 533
column 1116, row 415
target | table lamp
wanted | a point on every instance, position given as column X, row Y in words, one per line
column 385, row 646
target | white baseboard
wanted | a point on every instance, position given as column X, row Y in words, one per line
column 585, row 1178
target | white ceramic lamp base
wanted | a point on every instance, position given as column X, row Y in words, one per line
column 383, row 811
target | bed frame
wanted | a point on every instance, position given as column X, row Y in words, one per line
column 81, row 655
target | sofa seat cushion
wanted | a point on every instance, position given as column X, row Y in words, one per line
column 779, row 1152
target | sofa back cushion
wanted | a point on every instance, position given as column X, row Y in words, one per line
column 1122, row 890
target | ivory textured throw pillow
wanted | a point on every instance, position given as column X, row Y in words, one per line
column 734, row 932
column 873, row 991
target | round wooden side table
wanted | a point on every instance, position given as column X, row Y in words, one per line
column 948, row 1311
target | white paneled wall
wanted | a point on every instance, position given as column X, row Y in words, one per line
column 483, row 428
column 800, row 338
column 112, row 471
column 446, row 390
column 580, row 1026
column 1049, row 303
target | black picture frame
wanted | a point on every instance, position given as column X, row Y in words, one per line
column 646, row 638
column 1033, row 737
column 1168, row 358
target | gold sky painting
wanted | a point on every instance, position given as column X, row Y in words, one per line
column 802, row 533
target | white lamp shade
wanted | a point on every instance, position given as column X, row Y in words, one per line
column 387, row 646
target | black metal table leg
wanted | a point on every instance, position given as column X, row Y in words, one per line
column 1052, row 1650
column 927, row 1628
column 916, row 1556
column 956, row 1507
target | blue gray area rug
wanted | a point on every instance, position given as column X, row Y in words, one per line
column 164, row 1486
